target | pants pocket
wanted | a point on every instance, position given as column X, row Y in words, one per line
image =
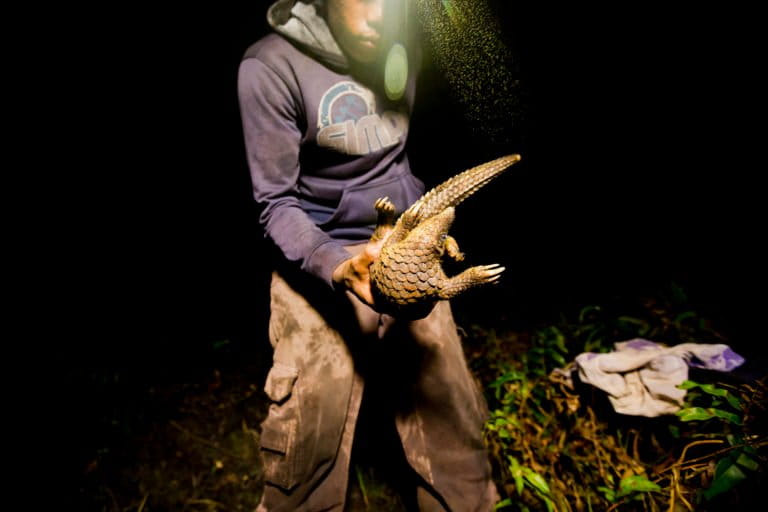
column 279, row 431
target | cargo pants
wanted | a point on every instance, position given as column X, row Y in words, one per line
column 327, row 347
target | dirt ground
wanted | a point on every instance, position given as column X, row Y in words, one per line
column 188, row 441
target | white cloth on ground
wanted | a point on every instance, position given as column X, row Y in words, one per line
column 641, row 376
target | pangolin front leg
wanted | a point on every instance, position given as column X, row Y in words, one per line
column 471, row 277
column 385, row 219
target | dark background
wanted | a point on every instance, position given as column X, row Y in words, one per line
column 640, row 167
column 641, row 164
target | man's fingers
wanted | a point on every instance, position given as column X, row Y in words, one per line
column 367, row 297
column 372, row 251
column 365, row 259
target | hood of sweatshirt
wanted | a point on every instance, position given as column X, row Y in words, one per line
column 300, row 22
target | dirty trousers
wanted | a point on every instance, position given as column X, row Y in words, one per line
column 326, row 346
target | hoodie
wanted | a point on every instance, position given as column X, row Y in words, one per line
column 323, row 142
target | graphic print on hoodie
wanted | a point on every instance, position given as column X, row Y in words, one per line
column 321, row 145
column 348, row 121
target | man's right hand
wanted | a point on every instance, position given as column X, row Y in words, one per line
column 354, row 273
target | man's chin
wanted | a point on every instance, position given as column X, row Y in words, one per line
column 366, row 52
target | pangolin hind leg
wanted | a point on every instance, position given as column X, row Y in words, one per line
column 452, row 249
column 471, row 277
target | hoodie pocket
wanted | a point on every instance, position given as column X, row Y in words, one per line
column 279, row 431
column 356, row 204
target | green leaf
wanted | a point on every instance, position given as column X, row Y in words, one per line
column 507, row 502
column 220, row 344
column 692, row 396
column 560, row 343
column 586, row 310
column 636, row 483
column 727, row 475
column 734, row 402
column 750, row 450
column 540, row 418
column 727, row 416
column 636, row 325
column 694, row 413
column 608, row 493
column 748, row 462
column 558, row 358
column 593, row 340
column 536, row 480
column 683, row 316
column 687, row 384
column 517, row 473
column 507, row 377
column 713, row 390
column 500, row 422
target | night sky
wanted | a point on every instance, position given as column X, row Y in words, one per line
column 639, row 168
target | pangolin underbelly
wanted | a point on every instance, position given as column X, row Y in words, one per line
column 408, row 277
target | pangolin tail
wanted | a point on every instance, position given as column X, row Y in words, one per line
column 456, row 189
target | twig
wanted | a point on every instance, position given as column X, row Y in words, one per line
column 361, row 483
column 143, row 502
column 616, row 505
column 672, row 497
column 680, row 461
column 206, row 442
column 635, row 444
column 685, row 501
column 114, row 499
column 204, row 501
column 675, row 488
column 675, row 479
column 593, row 422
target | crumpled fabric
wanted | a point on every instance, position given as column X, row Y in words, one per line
column 641, row 376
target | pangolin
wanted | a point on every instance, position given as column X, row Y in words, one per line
column 407, row 279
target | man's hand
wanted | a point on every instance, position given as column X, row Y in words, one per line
column 354, row 273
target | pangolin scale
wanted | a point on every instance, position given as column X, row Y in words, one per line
column 407, row 279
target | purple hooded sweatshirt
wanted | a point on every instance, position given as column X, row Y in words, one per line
column 321, row 145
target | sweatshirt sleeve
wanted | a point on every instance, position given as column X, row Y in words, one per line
column 270, row 115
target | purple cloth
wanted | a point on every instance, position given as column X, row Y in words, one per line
column 641, row 376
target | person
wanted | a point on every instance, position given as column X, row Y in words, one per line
column 324, row 139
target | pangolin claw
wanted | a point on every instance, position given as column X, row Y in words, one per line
column 490, row 273
column 384, row 205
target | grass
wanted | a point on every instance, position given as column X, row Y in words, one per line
column 190, row 442
column 556, row 447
